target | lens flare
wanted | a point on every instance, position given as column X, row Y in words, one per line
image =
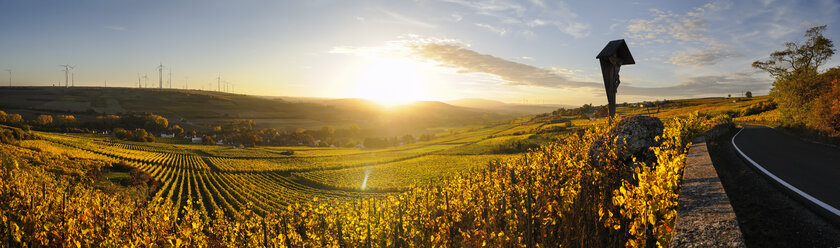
column 364, row 183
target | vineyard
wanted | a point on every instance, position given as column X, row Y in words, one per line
column 211, row 178
column 447, row 192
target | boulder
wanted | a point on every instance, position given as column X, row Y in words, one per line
column 639, row 133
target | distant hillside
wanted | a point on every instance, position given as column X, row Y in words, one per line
column 201, row 107
column 508, row 108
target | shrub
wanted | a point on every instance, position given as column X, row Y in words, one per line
column 758, row 108
column 827, row 110
column 44, row 120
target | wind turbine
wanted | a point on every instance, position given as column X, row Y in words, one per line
column 146, row 80
column 138, row 81
column 73, row 76
column 170, row 77
column 186, row 83
column 219, row 82
column 66, row 75
column 160, row 75
column 10, row 77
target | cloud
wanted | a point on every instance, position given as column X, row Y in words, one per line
column 688, row 30
column 468, row 61
column 702, row 57
column 668, row 27
column 117, row 28
column 407, row 20
column 726, row 83
column 455, row 54
column 489, row 6
column 527, row 58
column 520, row 18
column 536, row 23
column 498, row 30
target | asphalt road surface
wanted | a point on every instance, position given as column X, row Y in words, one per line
column 809, row 169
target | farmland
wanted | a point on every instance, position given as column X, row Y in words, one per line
column 472, row 170
column 224, row 178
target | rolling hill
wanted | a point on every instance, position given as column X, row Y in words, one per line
column 197, row 109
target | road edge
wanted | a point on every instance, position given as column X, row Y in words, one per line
column 820, row 207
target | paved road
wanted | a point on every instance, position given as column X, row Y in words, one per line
column 813, row 169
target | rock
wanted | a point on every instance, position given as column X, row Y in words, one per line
column 640, row 134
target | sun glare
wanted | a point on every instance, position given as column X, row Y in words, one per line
column 392, row 82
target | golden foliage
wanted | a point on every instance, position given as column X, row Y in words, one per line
column 553, row 196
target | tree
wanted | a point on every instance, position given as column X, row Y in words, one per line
column 796, row 58
column 748, row 94
column 120, row 133
column 156, row 122
column 44, row 120
column 354, row 129
column 65, row 120
column 408, row 139
column 827, row 109
column 14, row 118
column 585, row 110
column 797, row 81
column 602, row 112
column 176, row 130
column 327, row 131
column 208, row 140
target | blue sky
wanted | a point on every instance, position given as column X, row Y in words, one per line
column 537, row 51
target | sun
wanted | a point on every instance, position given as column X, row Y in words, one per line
column 391, row 82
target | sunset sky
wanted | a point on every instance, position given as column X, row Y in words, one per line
column 537, row 51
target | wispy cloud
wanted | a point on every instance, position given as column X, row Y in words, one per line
column 522, row 17
column 689, row 30
column 117, row 28
column 668, row 27
column 399, row 18
column 498, row 30
column 725, row 83
column 468, row 61
column 455, row 54
column 514, row 73
column 702, row 57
